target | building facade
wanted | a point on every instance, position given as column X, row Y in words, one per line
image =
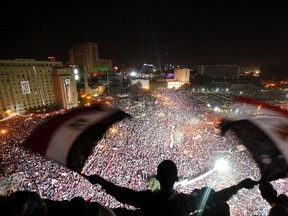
column 182, row 75
column 86, row 56
column 28, row 84
column 274, row 73
column 65, row 87
column 225, row 71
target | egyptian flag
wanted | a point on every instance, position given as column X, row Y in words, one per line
column 263, row 130
column 70, row 138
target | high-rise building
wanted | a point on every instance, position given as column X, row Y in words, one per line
column 148, row 68
column 29, row 84
column 225, row 71
column 65, row 87
column 86, row 56
column 182, row 75
column 275, row 73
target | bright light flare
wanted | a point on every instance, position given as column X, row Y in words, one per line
column 3, row 131
column 221, row 165
column 113, row 130
column 133, row 73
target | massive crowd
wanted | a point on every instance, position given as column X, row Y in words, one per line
column 166, row 125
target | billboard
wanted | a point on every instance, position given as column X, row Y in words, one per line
column 25, row 87
column 68, row 90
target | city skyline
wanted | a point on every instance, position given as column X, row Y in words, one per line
column 133, row 33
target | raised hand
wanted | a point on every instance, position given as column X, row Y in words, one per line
column 247, row 183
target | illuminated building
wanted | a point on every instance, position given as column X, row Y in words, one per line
column 181, row 76
column 86, row 56
column 148, row 68
column 29, row 84
column 65, row 87
column 144, row 83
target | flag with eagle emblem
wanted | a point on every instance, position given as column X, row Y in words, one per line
column 70, row 138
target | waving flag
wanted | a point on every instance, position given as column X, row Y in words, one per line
column 69, row 138
column 263, row 129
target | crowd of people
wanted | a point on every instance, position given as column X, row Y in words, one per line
column 130, row 151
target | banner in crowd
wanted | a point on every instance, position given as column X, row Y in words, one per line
column 263, row 130
column 70, row 138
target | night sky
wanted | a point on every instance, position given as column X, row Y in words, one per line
column 135, row 32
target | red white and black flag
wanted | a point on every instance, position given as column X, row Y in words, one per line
column 263, row 130
column 70, row 138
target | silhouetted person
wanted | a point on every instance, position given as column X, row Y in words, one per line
column 24, row 203
column 77, row 206
column 167, row 201
column 279, row 204
column 220, row 210
column 30, row 203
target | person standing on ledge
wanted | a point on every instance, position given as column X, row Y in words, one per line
column 167, row 201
